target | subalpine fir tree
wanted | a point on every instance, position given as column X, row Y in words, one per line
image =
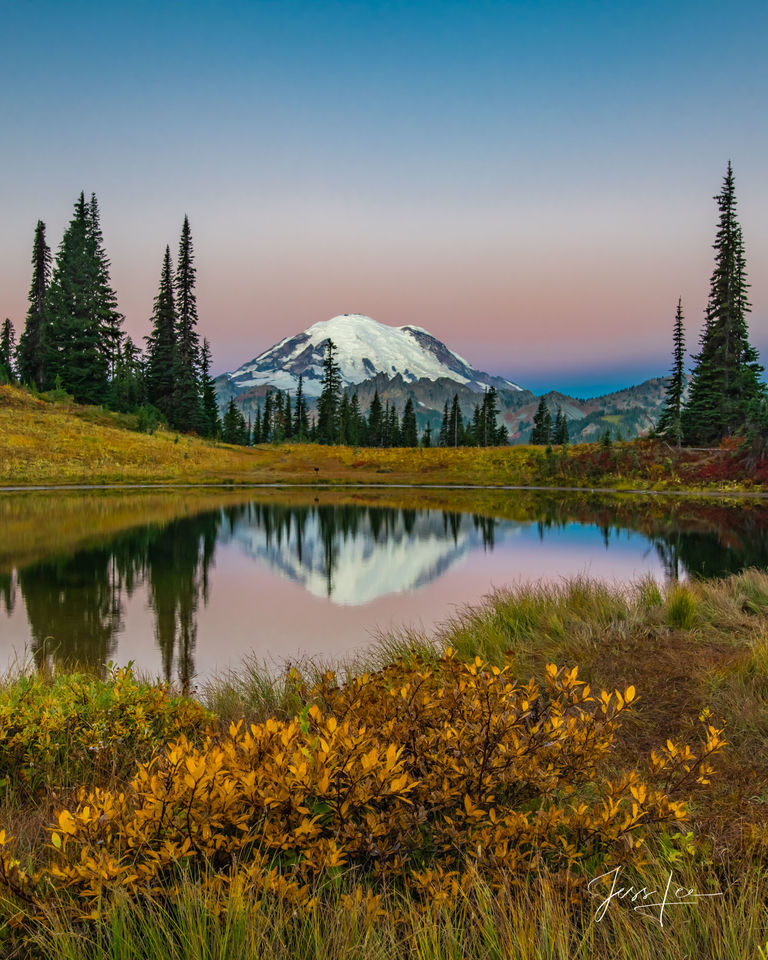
column 490, row 415
column 75, row 353
column 300, row 419
column 212, row 424
column 266, row 422
column 725, row 383
column 7, row 350
column 444, row 427
column 393, row 428
column 256, row 435
column 32, row 348
column 542, row 424
column 426, row 440
column 375, row 422
column 356, row 422
column 234, row 429
column 409, row 434
column 330, row 398
column 455, row 424
column 161, row 344
column 127, row 387
column 560, row 430
column 669, row 425
column 288, row 417
column 187, row 411
column 109, row 318
column 345, row 412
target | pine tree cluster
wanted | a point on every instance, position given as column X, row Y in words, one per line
column 726, row 395
column 73, row 341
column 546, row 431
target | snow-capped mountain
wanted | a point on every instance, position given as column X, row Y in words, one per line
column 365, row 348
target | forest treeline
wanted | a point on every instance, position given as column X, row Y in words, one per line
column 73, row 341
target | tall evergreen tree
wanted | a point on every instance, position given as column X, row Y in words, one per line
column 288, row 417
column 266, row 422
column 108, row 317
column 7, row 351
column 73, row 306
column 234, row 429
column 212, row 424
column 345, row 416
column 426, row 440
column 187, row 411
column 375, row 422
column 330, row 398
column 455, row 424
column 301, row 419
column 127, row 387
column 409, row 432
column 393, row 428
column 161, row 344
column 725, row 383
column 357, row 426
column 490, row 414
column 670, row 419
column 444, row 427
column 542, row 424
column 560, row 429
column 31, row 352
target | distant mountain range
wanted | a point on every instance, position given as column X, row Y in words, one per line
column 399, row 362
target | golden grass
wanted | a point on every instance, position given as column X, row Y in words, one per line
column 63, row 443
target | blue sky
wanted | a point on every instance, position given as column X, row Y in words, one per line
column 532, row 182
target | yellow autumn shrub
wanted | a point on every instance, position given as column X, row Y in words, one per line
column 417, row 773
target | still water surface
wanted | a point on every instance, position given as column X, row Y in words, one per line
column 193, row 591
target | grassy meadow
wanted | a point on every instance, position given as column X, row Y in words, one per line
column 370, row 812
column 45, row 441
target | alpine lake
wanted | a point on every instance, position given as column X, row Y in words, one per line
column 186, row 583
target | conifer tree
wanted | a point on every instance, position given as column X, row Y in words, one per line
column 256, row 436
column 288, row 417
column 32, row 349
column 266, row 423
column 345, row 411
column 187, row 411
column 301, row 420
column 127, row 388
column 426, row 440
column 330, row 398
column 670, row 420
column 725, row 383
column 490, row 414
column 75, row 353
column 409, row 432
column 542, row 424
column 560, row 430
column 108, row 317
column 375, row 422
column 234, row 429
column 444, row 427
column 393, row 428
column 211, row 422
column 356, row 422
column 455, row 424
column 7, row 350
column 161, row 344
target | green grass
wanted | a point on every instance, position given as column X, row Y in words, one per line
column 686, row 648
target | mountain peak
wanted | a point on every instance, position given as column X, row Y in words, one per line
column 365, row 348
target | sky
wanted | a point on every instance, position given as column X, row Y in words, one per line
column 532, row 182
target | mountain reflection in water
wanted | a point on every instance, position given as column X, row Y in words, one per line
column 76, row 604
